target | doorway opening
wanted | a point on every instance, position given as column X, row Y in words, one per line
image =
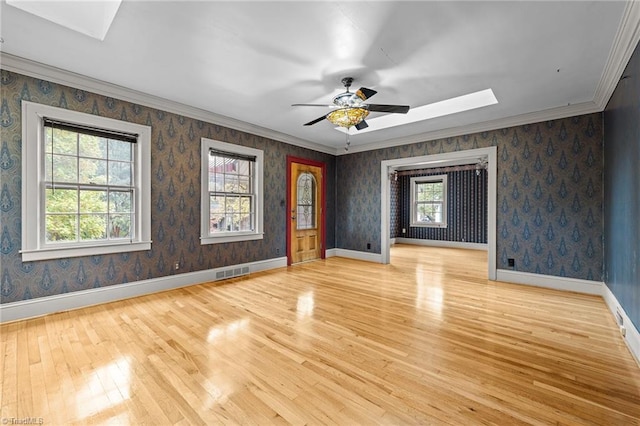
column 389, row 168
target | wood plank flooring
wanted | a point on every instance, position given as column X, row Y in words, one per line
column 425, row 340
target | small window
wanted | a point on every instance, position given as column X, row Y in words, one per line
column 86, row 181
column 306, row 208
column 231, row 192
column 429, row 201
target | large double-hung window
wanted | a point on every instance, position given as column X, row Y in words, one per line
column 231, row 192
column 86, row 184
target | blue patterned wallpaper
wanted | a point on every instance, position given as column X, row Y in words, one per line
column 466, row 206
column 175, row 196
column 549, row 204
column 622, row 191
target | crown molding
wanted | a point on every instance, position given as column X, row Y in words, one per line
column 627, row 38
column 624, row 44
column 77, row 81
column 485, row 126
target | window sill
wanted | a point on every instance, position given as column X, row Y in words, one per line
column 64, row 252
column 230, row 238
column 428, row 225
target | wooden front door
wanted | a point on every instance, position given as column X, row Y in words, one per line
column 305, row 209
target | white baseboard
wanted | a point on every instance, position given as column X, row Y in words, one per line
column 79, row 299
column 550, row 281
column 632, row 336
column 330, row 252
column 359, row 255
column 438, row 243
column 392, row 241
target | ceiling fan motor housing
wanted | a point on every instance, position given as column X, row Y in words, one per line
column 347, row 100
column 346, row 82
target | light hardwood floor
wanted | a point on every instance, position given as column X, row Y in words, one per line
column 425, row 340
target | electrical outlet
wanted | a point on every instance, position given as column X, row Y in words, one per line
column 404, row 230
column 177, row 266
column 368, row 246
column 277, row 251
column 511, row 262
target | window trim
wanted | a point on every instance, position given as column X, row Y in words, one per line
column 34, row 246
column 415, row 181
column 226, row 237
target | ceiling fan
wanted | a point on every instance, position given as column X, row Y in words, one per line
column 351, row 109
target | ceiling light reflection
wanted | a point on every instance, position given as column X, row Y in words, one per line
column 218, row 387
column 429, row 296
column 105, row 388
column 227, row 342
column 305, row 305
column 227, row 330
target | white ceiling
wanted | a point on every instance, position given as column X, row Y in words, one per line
column 245, row 63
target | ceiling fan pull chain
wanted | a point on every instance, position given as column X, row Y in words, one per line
column 346, row 147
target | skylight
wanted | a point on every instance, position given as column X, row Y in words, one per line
column 437, row 109
column 92, row 18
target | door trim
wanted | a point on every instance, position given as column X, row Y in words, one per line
column 387, row 166
column 323, row 198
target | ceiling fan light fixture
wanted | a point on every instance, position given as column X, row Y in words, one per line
column 347, row 117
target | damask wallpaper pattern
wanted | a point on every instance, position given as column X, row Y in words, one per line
column 549, row 203
column 175, row 192
column 549, row 206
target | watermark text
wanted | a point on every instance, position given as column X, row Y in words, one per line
column 22, row 420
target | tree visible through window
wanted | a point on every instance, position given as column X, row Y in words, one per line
column 429, row 201
column 86, row 184
column 89, row 187
column 231, row 193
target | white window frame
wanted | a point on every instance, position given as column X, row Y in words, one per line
column 257, row 233
column 415, row 181
column 34, row 245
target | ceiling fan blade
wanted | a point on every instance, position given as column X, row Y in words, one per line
column 317, row 120
column 316, row 105
column 362, row 125
column 400, row 109
column 364, row 93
